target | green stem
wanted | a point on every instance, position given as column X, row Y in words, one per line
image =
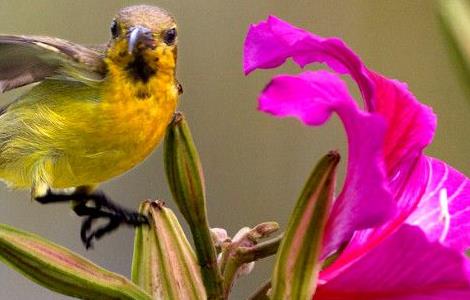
column 206, row 254
column 225, row 254
column 230, row 273
column 259, row 251
column 234, row 260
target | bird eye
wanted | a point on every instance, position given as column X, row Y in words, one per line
column 169, row 36
column 114, row 29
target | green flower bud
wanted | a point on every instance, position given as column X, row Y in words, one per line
column 297, row 262
column 61, row 270
column 186, row 181
column 184, row 171
column 164, row 263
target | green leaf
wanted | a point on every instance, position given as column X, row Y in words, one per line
column 61, row 270
column 186, row 181
column 164, row 263
column 297, row 262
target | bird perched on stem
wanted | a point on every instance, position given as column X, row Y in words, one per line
column 94, row 113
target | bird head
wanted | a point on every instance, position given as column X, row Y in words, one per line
column 143, row 41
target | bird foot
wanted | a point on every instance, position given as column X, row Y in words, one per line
column 95, row 206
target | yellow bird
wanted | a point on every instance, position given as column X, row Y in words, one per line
column 94, row 113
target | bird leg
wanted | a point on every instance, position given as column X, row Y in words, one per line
column 102, row 208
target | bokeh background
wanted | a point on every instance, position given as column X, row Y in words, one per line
column 254, row 165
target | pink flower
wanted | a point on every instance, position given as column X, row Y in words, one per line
column 403, row 216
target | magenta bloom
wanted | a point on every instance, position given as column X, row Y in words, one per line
column 404, row 216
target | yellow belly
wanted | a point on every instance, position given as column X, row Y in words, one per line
column 67, row 135
column 126, row 131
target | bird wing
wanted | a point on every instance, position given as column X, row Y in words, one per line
column 29, row 59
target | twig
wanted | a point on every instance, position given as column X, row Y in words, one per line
column 259, row 251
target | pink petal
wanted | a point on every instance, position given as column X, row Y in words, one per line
column 404, row 266
column 410, row 128
column 434, row 197
column 410, row 124
column 407, row 195
column 444, row 209
column 269, row 43
column 311, row 97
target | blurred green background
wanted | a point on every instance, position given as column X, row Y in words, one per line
column 255, row 165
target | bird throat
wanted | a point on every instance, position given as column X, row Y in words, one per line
column 142, row 76
column 139, row 70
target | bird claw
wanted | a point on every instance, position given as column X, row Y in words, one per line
column 88, row 234
column 101, row 207
column 104, row 208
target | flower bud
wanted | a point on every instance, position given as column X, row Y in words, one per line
column 297, row 261
column 61, row 270
column 186, row 181
column 164, row 263
column 184, row 171
column 219, row 238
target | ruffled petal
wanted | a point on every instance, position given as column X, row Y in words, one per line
column 444, row 210
column 311, row 97
column 411, row 125
column 269, row 43
column 405, row 266
column 410, row 128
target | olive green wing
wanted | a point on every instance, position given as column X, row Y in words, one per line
column 29, row 59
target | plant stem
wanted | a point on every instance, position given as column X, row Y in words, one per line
column 206, row 254
column 233, row 260
column 259, row 251
column 230, row 273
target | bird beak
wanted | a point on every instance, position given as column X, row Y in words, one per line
column 139, row 34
